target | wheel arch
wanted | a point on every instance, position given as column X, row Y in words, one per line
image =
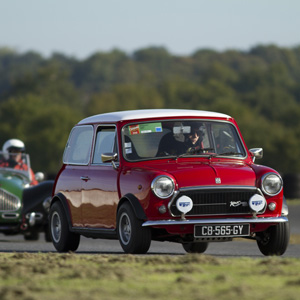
column 135, row 204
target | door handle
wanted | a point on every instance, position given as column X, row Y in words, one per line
column 85, row 178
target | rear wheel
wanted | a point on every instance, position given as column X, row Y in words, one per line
column 274, row 240
column 195, row 247
column 63, row 239
column 132, row 236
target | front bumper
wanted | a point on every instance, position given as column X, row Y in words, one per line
column 9, row 228
column 216, row 221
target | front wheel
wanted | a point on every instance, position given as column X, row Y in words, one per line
column 274, row 240
column 63, row 239
column 133, row 238
column 195, row 247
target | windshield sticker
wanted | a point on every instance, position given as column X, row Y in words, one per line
column 134, row 129
column 145, row 128
column 128, row 150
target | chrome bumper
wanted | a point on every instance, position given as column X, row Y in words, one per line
column 216, row 221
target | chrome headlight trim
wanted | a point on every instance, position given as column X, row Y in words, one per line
column 271, row 184
column 163, row 186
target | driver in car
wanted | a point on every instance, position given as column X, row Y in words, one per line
column 12, row 152
column 180, row 142
column 193, row 141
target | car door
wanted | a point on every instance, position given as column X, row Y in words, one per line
column 100, row 189
column 76, row 163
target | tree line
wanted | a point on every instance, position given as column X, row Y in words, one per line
column 42, row 98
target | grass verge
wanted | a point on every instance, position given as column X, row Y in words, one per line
column 48, row 276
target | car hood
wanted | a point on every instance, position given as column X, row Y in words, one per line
column 188, row 174
column 12, row 183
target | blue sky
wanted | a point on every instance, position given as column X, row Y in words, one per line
column 80, row 28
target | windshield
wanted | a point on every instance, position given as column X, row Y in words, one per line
column 181, row 138
column 17, row 163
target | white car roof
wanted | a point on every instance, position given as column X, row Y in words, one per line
column 150, row 113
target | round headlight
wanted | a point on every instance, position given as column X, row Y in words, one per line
column 163, row 187
column 271, row 184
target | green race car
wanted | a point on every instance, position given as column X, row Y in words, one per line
column 23, row 206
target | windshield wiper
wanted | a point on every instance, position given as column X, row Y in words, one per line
column 230, row 153
column 195, row 150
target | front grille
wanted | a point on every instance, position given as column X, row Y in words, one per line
column 8, row 201
column 229, row 201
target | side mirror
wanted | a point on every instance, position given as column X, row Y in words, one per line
column 110, row 158
column 39, row 176
column 256, row 153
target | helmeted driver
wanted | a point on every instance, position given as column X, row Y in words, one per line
column 12, row 153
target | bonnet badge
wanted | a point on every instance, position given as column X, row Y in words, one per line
column 218, row 180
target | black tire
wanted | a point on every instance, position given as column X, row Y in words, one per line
column 274, row 240
column 133, row 238
column 195, row 247
column 32, row 235
column 62, row 238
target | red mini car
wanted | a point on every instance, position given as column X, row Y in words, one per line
column 183, row 176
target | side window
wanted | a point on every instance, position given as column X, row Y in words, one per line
column 105, row 143
column 78, row 148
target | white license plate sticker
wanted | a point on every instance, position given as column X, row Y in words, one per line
column 221, row 230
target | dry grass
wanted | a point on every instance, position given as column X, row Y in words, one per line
column 48, row 276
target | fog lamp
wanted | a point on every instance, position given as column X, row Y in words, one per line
column 184, row 204
column 257, row 203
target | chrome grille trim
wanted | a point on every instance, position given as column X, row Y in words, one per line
column 8, row 201
column 215, row 200
column 10, row 215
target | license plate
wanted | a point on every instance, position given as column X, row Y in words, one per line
column 222, row 230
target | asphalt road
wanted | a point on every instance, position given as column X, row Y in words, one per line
column 96, row 246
